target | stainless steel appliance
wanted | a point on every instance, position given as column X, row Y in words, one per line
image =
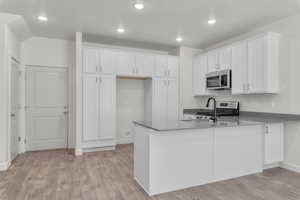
column 223, row 108
column 219, row 80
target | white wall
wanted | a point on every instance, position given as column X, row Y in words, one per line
column 47, row 52
column 288, row 99
column 130, row 107
column 9, row 47
column 40, row 51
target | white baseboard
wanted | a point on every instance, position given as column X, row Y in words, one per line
column 125, row 140
column 78, row 152
column 110, row 148
column 292, row 167
column 270, row 166
column 4, row 165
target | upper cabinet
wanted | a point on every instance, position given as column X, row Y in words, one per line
column 161, row 65
column 144, row 64
column 125, row 64
column 254, row 63
column 219, row 59
column 166, row 66
column 199, row 72
column 98, row 61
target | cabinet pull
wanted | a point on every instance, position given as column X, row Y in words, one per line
column 96, row 68
column 267, row 130
column 96, row 80
column 100, row 80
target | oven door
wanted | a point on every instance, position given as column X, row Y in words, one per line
column 213, row 82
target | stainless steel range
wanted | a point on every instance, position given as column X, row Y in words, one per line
column 223, row 108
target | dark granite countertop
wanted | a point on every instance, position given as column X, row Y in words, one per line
column 245, row 119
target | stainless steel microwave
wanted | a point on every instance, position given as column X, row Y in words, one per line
column 219, row 80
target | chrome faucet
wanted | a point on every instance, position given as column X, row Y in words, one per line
column 214, row 117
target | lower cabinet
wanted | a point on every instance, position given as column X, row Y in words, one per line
column 99, row 110
column 274, row 143
column 237, row 151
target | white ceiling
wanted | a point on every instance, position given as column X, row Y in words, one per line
column 160, row 22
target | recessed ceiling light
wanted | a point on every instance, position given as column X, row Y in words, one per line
column 179, row 39
column 120, row 30
column 42, row 18
column 139, row 4
column 211, row 21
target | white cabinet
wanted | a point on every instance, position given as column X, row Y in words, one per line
column 166, row 66
column 98, row 61
column 240, row 68
column 90, row 108
column 173, row 67
column 213, row 61
column 107, row 61
column 90, row 60
column 162, row 99
column 255, row 65
column 161, row 65
column 225, row 58
column 172, row 108
column 199, row 75
column 98, row 109
column 274, row 143
column 144, row 64
column 125, row 64
column 237, row 151
column 135, row 64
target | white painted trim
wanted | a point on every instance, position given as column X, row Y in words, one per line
column 291, row 167
column 4, row 165
column 78, row 152
column 270, row 166
column 110, row 148
column 124, row 48
column 125, row 140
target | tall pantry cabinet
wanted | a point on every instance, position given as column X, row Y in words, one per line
column 161, row 92
column 99, row 98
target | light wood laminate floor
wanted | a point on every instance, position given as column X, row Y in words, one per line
column 109, row 176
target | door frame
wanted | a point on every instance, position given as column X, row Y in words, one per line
column 69, row 86
column 12, row 59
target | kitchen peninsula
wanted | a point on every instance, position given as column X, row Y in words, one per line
column 174, row 155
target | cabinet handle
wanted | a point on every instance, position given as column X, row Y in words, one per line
column 100, row 80
column 267, row 130
column 96, row 68
column 96, row 80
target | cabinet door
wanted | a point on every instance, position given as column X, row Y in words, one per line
column 107, row 61
column 199, row 75
column 90, row 60
column 256, row 65
column 144, row 64
column 107, row 108
column 90, row 108
column 239, row 68
column 273, row 143
column 161, row 65
column 225, row 58
column 160, row 100
column 173, row 66
column 213, row 61
column 172, row 100
column 238, row 151
column 125, row 64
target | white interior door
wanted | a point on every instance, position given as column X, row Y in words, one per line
column 46, row 108
column 15, row 108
